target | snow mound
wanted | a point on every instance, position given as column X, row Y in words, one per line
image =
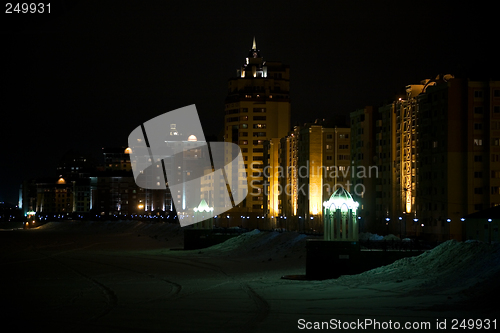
column 365, row 236
column 369, row 236
column 452, row 264
column 391, row 237
column 262, row 244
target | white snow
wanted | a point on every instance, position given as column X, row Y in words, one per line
column 376, row 237
column 119, row 276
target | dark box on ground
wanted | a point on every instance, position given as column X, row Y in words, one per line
column 331, row 259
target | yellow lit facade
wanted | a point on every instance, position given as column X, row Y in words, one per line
column 406, row 109
column 257, row 109
column 305, row 167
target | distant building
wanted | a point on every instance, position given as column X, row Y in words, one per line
column 74, row 165
column 257, row 109
column 364, row 170
column 116, row 158
column 55, row 196
column 436, row 151
column 115, row 193
column 302, row 170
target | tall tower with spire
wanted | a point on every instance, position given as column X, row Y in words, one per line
column 257, row 109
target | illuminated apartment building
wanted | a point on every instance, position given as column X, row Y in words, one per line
column 257, row 109
column 438, row 154
column 54, row 196
column 303, row 169
column 459, row 150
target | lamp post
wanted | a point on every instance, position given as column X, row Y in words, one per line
column 489, row 230
column 449, row 228
column 400, row 227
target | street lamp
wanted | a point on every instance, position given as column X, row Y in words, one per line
column 489, row 230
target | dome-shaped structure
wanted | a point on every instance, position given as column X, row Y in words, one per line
column 200, row 212
column 192, row 138
column 203, row 207
column 340, row 222
column 341, row 199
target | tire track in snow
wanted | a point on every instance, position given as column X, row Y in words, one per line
column 176, row 287
column 182, row 261
column 260, row 314
column 262, row 306
column 109, row 294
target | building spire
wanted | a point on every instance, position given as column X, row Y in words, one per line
column 254, row 45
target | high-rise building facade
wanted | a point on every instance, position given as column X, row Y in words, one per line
column 303, row 169
column 364, row 168
column 459, row 146
column 437, row 151
column 257, row 109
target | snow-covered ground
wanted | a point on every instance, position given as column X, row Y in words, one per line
column 122, row 276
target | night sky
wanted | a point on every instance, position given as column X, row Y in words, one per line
column 86, row 75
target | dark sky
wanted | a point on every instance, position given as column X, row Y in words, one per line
column 86, row 75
